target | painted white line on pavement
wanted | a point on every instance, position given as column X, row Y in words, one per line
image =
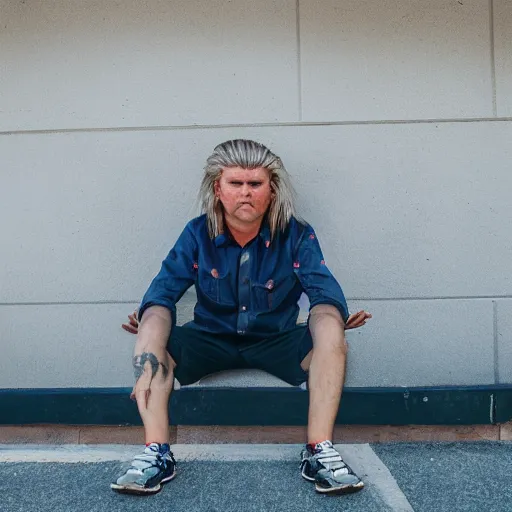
column 67, row 453
column 367, row 464
column 183, row 452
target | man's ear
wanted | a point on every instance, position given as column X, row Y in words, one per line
column 216, row 188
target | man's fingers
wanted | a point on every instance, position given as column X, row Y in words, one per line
column 355, row 317
column 360, row 315
column 130, row 328
column 142, row 387
column 142, row 397
column 133, row 326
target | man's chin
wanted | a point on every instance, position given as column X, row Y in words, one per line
column 247, row 216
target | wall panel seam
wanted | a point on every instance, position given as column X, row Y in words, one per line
column 493, row 58
column 299, row 58
column 299, row 124
column 495, row 342
column 367, row 299
column 439, row 297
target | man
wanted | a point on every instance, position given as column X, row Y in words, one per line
column 250, row 258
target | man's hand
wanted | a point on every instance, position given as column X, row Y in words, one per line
column 358, row 319
column 133, row 325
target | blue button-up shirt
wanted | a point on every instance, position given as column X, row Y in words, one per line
column 251, row 290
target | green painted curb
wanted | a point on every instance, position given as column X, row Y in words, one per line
column 261, row 406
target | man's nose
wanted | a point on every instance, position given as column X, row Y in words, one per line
column 246, row 190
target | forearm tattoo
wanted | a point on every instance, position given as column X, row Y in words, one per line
column 140, row 361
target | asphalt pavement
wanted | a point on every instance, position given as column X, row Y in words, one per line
column 421, row 477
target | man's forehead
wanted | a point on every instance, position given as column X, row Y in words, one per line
column 239, row 173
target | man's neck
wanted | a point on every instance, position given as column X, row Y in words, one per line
column 243, row 233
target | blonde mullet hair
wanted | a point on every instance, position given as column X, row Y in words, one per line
column 247, row 154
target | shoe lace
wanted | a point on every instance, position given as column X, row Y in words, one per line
column 151, row 457
column 331, row 460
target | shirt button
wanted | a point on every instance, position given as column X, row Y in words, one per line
column 240, row 332
column 244, row 308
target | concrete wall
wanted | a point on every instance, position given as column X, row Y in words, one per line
column 394, row 118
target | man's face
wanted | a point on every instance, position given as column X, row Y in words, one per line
column 244, row 193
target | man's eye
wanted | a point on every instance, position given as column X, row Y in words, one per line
column 255, row 184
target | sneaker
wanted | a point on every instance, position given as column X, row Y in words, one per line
column 324, row 466
column 147, row 472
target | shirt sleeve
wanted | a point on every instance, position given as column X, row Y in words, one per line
column 319, row 284
column 176, row 275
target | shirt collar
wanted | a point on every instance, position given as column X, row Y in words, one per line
column 222, row 240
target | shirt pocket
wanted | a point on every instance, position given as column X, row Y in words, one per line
column 270, row 295
column 217, row 287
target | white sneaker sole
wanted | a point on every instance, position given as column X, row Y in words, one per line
column 346, row 489
column 137, row 489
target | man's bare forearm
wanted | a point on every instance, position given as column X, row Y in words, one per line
column 154, row 332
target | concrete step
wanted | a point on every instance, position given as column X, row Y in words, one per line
column 239, row 379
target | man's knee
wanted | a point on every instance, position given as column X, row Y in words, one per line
column 327, row 328
column 323, row 314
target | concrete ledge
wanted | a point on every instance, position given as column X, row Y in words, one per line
column 218, row 434
column 269, row 406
